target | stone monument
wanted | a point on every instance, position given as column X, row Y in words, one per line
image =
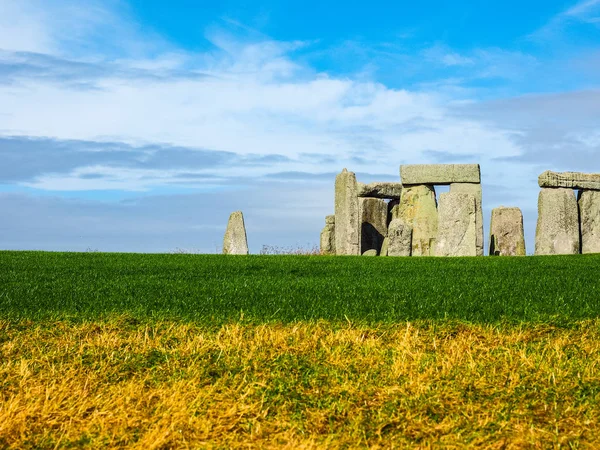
column 235, row 241
column 328, row 236
column 507, row 236
column 457, row 233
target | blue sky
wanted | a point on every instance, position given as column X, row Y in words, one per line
column 140, row 125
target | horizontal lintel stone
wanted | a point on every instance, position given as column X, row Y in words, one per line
column 440, row 174
column 391, row 191
column 574, row 180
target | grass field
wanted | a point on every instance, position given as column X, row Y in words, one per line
column 193, row 351
column 215, row 289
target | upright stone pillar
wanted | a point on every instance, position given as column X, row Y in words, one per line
column 507, row 237
column 457, row 235
column 328, row 236
column 373, row 223
column 475, row 190
column 235, row 241
column 557, row 230
column 419, row 210
column 399, row 238
column 589, row 216
column 347, row 237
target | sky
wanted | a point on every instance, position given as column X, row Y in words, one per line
column 140, row 125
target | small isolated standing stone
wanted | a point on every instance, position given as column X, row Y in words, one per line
column 373, row 223
column 235, row 241
column 589, row 214
column 328, row 236
column 419, row 210
column 347, row 233
column 457, row 235
column 400, row 238
column 557, row 230
column 371, row 252
column 507, row 237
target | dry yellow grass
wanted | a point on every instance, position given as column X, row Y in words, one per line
column 119, row 383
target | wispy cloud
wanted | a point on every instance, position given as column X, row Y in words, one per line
column 585, row 12
column 240, row 98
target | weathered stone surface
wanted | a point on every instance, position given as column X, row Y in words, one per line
column 235, row 241
column 328, row 237
column 419, row 210
column 507, row 237
column 371, row 252
column 457, row 235
column 475, row 190
column 393, row 209
column 373, row 223
column 347, row 232
column 400, row 238
column 557, row 230
column 589, row 214
column 440, row 173
column 573, row 180
column 380, row 190
column 385, row 246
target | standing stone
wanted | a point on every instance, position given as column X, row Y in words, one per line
column 399, row 238
column 328, row 237
column 507, row 237
column 235, row 241
column 385, row 246
column 393, row 208
column 371, row 252
column 589, row 214
column 557, row 230
column 419, row 210
column 457, row 235
column 347, row 233
column 373, row 223
column 475, row 190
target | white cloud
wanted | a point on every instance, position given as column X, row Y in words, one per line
column 246, row 98
column 583, row 12
column 583, row 8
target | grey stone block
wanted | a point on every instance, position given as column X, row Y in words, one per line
column 589, row 218
column 573, row 180
column 507, row 237
column 399, row 238
column 557, row 230
column 439, row 174
column 418, row 209
column 391, row 191
column 457, row 235
column 235, row 241
column 475, row 190
column 347, row 233
column 373, row 223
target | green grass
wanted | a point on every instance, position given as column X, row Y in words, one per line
column 219, row 289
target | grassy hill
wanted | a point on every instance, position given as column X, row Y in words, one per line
column 218, row 289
